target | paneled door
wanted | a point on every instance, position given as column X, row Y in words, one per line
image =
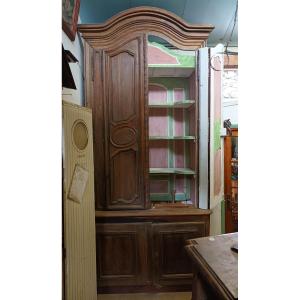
column 124, row 125
column 122, row 255
column 172, row 265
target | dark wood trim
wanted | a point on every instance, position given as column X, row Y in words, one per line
column 143, row 289
column 150, row 20
column 231, row 61
column 229, row 224
column 155, row 212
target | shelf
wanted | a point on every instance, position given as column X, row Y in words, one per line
column 187, row 137
column 168, row 197
column 183, row 171
column 179, row 104
column 170, row 71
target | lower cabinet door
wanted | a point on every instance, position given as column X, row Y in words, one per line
column 172, row 265
column 122, row 254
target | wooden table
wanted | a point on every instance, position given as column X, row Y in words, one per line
column 215, row 267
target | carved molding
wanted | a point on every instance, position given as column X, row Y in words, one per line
column 146, row 20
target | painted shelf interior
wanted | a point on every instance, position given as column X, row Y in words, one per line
column 184, row 171
column 177, row 104
column 165, row 62
column 187, row 137
column 172, row 125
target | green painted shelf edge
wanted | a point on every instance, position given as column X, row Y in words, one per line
column 187, row 137
column 167, row 197
column 183, row 171
column 179, row 104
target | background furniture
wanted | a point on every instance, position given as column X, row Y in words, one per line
column 231, row 180
column 215, row 267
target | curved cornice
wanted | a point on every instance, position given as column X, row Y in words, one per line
column 149, row 20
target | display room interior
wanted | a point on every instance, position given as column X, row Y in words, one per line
column 150, row 149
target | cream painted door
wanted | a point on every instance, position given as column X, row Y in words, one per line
column 78, row 204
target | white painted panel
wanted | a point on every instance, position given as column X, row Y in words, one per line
column 204, row 128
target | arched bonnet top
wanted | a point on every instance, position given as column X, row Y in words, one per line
column 146, row 20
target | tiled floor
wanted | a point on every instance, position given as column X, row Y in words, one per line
column 144, row 296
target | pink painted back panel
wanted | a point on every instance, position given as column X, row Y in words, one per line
column 179, row 154
column 178, row 94
column 158, row 154
column 158, row 122
column 178, row 122
column 157, row 94
column 157, row 56
column 159, row 186
column 179, row 185
column 217, row 88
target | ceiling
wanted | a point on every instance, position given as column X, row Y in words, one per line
column 219, row 13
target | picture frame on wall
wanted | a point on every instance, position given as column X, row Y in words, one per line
column 70, row 12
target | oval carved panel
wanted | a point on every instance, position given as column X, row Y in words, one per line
column 123, row 137
column 80, row 135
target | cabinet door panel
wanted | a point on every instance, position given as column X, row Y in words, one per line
column 122, row 254
column 124, row 106
column 173, row 266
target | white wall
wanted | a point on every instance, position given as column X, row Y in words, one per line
column 76, row 47
column 230, row 95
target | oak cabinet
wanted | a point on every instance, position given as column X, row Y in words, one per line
column 172, row 266
column 122, row 254
column 145, row 252
column 116, row 89
column 138, row 248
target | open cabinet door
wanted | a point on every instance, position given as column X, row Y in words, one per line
column 79, row 237
column 210, row 118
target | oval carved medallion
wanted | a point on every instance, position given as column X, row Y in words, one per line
column 123, row 136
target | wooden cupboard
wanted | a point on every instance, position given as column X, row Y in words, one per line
column 116, row 89
column 139, row 248
column 144, row 250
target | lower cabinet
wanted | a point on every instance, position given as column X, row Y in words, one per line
column 145, row 256
column 122, row 254
column 171, row 263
